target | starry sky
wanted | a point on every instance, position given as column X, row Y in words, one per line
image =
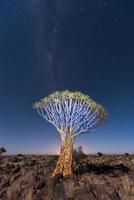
column 85, row 45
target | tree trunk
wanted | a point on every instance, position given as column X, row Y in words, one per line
column 65, row 162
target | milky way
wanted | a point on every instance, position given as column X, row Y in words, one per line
column 48, row 45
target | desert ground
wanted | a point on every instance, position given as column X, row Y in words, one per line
column 96, row 177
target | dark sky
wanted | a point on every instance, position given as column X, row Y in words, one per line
column 85, row 45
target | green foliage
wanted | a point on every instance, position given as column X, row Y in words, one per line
column 74, row 95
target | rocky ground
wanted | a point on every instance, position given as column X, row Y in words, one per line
column 96, row 177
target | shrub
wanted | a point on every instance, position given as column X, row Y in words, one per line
column 2, row 150
column 100, row 154
column 126, row 154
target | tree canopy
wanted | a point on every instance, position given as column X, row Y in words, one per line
column 71, row 112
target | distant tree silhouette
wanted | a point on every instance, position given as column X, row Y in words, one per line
column 126, row 154
column 2, row 150
column 73, row 114
column 100, row 154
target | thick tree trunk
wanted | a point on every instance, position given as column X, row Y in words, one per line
column 65, row 162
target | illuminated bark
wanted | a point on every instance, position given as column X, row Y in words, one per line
column 65, row 162
column 72, row 113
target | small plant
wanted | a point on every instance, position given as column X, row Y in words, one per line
column 126, row 154
column 2, row 150
column 100, row 154
column 19, row 155
column 80, row 152
column 15, row 159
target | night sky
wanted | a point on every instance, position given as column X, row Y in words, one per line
column 85, row 45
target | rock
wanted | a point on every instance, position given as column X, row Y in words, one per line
column 40, row 184
column 4, row 183
column 102, row 178
column 132, row 161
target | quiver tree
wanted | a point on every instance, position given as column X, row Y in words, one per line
column 72, row 113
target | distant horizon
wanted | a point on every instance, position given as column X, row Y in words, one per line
column 47, row 154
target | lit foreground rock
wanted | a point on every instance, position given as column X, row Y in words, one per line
column 95, row 178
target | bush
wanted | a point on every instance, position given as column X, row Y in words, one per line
column 20, row 155
column 100, row 154
column 126, row 154
column 3, row 150
column 15, row 159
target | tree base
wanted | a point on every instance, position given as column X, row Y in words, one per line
column 64, row 165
